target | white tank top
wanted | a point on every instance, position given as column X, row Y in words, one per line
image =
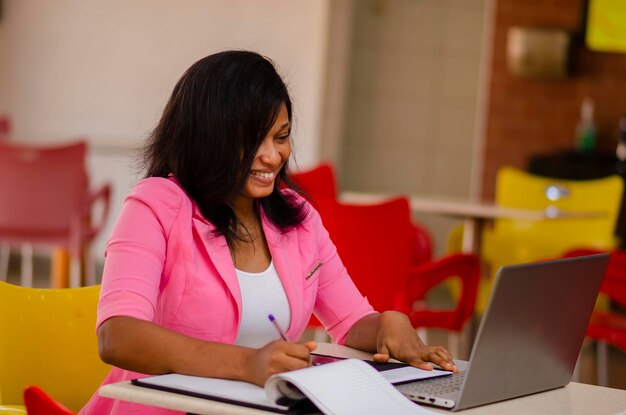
column 262, row 293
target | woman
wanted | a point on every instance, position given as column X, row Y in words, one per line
column 208, row 245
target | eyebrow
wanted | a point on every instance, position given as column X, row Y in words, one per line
column 286, row 125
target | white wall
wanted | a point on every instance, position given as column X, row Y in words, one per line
column 104, row 69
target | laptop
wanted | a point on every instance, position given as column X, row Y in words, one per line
column 529, row 337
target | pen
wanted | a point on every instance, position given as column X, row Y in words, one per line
column 278, row 328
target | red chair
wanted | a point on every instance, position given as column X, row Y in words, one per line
column 318, row 183
column 375, row 243
column 37, row 402
column 422, row 244
column 45, row 200
column 608, row 327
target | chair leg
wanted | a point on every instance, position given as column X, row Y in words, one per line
column 27, row 265
column 602, row 362
column 5, row 253
column 90, row 267
column 75, row 272
column 60, row 269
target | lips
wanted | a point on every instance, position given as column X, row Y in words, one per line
column 264, row 178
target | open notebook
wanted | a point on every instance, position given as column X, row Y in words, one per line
column 344, row 387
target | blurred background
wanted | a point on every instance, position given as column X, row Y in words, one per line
column 417, row 97
column 407, row 96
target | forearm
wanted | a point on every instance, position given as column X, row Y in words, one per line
column 145, row 347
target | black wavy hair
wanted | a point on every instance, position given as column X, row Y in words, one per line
column 220, row 111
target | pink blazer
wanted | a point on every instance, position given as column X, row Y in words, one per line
column 164, row 264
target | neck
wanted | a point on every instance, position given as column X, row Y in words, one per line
column 249, row 226
column 244, row 209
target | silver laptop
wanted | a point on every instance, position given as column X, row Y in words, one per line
column 529, row 337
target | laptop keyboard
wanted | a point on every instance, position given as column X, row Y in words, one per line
column 435, row 386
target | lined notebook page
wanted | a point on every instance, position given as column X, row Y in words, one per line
column 346, row 387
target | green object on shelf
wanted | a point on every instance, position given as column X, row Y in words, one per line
column 587, row 140
column 586, row 129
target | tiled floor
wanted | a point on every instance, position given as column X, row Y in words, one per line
column 617, row 358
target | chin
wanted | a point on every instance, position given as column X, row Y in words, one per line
column 259, row 194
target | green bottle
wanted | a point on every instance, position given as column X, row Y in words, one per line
column 586, row 129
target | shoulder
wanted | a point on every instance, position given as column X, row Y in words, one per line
column 160, row 194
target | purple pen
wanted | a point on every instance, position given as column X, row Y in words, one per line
column 278, row 328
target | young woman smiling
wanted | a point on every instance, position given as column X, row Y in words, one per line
column 207, row 245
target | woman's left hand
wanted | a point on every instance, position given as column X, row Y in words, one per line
column 397, row 339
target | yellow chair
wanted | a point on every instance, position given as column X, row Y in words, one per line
column 514, row 241
column 48, row 339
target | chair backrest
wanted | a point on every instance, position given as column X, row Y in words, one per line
column 422, row 244
column 516, row 188
column 374, row 243
column 318, row 183
column 614, row 284
column 38, row 402
column 42, row 193
column 48, row 339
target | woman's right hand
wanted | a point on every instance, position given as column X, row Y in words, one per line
column 276, row 357
column 122, row 342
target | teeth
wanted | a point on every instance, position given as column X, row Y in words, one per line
column 263, row 175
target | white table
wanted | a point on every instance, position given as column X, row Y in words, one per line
column 473, row 213
column 574, row 399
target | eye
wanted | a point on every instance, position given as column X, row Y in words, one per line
column 282, row 138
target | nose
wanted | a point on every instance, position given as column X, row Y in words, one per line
column 269, row 153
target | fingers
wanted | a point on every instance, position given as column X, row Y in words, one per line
column 423, row 357
column 299, row 350
column 383, row 354
column 294, row 363
column 311, row 345
column 289, row 356
column 439, row 356
column 276, row 357
column 420, row 364
column 380, row 357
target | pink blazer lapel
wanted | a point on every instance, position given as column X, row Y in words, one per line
column 218, row 251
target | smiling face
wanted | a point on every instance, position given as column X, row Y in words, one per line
column 271, row 156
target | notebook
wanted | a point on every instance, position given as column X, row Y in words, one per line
column 343, row 387
column 529, row 337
